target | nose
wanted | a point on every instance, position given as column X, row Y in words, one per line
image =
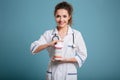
column 61, row 19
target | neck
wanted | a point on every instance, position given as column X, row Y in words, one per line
column 63, row 29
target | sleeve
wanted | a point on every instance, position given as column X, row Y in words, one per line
column 42, row 40
column 81, row 51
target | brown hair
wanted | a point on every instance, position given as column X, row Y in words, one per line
column 66, row 6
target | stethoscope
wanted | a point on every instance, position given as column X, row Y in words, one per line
column 56, row 37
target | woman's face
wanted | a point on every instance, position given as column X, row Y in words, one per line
column 62, row 17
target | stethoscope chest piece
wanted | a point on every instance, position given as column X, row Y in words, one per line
column 73, row 46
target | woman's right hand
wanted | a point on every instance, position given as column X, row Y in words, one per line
column 52, row 43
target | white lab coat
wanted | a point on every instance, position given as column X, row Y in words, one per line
column 63, row 71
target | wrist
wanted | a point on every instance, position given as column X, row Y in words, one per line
column 66, row 60
column 48, row 44
column 71, row 60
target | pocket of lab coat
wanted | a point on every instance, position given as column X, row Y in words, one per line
column 72, row 72
column 71, row 76
column 70, row 50
column 49, row 75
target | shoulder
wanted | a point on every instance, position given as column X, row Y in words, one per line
column 48, row 32
column 48, row 35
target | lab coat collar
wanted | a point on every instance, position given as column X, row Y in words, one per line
column 70, row 31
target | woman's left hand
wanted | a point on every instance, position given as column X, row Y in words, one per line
column 58, row 59
column 64, row 60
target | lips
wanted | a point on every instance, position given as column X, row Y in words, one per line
column 61, row 23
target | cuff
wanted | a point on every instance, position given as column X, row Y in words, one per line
column 34, row 46
column 79, row 60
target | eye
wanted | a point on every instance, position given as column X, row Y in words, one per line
column 57, row 16
column 64, row 16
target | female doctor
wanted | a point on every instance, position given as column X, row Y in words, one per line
column 74, row 50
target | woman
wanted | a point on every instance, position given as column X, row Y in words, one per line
column 74, row 50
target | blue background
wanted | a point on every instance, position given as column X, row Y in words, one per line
column 23, row 21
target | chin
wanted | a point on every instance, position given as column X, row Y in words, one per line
column 61, row 26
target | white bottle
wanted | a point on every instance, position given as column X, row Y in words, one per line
column 58, row 50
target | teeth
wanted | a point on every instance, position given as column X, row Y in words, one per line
column 61, row 23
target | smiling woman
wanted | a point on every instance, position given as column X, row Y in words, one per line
column 64, row 68
column 23, row 21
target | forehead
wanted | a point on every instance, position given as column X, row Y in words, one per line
column 62, row 12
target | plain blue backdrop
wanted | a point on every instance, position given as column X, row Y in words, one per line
column 23, row 21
